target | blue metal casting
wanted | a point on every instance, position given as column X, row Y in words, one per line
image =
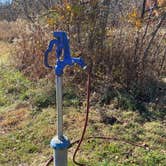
column 62, row 51
column 62, row 143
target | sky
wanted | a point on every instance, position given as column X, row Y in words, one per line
column 3, row 1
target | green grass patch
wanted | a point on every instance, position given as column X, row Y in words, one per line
column 16, row 87
column 12, row 85
column 20, row 146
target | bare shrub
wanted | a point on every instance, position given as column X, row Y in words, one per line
column 11, row 30
column 29, row 51
column 127, row 67
column 130, row 55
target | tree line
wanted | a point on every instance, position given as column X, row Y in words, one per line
column 28, row 9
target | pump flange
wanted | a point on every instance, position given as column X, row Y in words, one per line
column 60, row 143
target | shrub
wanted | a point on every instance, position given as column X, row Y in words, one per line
column 129, row 56
column 29, row 50
column 11, row 30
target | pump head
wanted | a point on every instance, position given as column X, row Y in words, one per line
column 62, row 53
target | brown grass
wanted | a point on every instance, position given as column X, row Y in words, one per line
column 11, row 30
column 13, row 119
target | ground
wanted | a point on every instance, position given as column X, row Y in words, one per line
column 138, row 138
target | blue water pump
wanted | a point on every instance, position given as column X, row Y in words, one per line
column 60, row 143
column 62, row 48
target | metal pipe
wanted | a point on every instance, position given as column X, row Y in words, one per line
column 59, row 106
column 60, row 157
column 60, row 143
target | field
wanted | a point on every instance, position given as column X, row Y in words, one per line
column 26, row 132
column 123, row 42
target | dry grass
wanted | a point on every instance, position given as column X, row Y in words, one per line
column 14, row 119
column 4, row 51
column 11, row 30
column 29, row 51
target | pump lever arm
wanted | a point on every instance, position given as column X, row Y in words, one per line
column 50, row 47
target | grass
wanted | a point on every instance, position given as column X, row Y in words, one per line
column 4, row 51
column 27, row 140
column 12, row 85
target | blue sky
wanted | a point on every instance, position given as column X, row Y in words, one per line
column 5, row 0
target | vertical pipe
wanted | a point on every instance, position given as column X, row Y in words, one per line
column 59, row 106
column 59, row 143
column 60, row 157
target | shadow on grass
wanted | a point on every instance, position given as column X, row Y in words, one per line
column 150, row 106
